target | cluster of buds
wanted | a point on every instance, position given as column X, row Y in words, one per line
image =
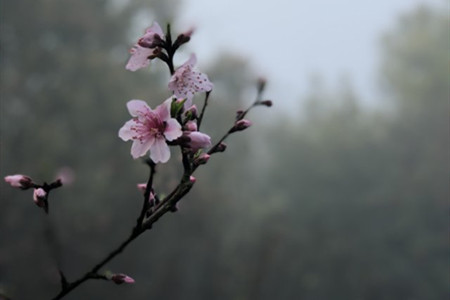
column 40, row 192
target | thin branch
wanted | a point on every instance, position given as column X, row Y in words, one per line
column 148, row 191
column 205, row 103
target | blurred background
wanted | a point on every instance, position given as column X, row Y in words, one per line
column 339, row 191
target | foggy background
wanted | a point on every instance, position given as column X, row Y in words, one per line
column 339, row 191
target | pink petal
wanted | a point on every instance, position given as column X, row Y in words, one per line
column 159, row 151
column 139, row 148
column 139, row 58
column 125, row 133
column 137, row 108
column 163, row 110
column 191, row 61
column 204, row 84
column 173, row 130
column 155, row 28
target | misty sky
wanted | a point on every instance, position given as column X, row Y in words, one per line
column 288, row 40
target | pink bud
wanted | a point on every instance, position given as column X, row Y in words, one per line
column 191, row 126
column 192, row 179
column 19, row 181
column 184, row 37
column 241, row 125
column 142, row 187
column 221, row 147
column 191, row 112
column 202, row 159
column 121, row 278
column 39, row 197
column 198, row 140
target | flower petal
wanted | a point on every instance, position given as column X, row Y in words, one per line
column 139, row 148
column 139, row 58
column 191, row 61
column 159, row 151
column 125, row 133
column 163, row 110
column 137, row 108
column 173, row 129
column 155, row 28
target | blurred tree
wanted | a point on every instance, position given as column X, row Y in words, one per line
column 367, row 192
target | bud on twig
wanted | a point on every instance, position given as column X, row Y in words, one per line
column 267, row 103
column 191, row 112
column 40, row 198
column 219, row 148
column 191, row 126
column 121, row 278
column 183, row 38
column 142, row 187
column 202, row 159
column 19, row 181
column 241, row 125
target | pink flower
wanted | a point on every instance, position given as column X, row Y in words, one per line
column 19, row 181
column 198, row 140
column 187, row 80
column 142, row 52
column 121, row 278
column 149, row 129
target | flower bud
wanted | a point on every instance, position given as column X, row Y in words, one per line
column 202, row 159
column 192, row 179
column 221, row 147
column 191, row 113
column 241, row 125
column 191, row 126
column 19, row 181
column 121, row 278
column 142, row 187
column 198, row 140
column 183, row 38
column 267, row 103
column 40, row 197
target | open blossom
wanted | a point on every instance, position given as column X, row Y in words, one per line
column 187, row 80
column 19, row 181
column 144, row 49
column 149, row 129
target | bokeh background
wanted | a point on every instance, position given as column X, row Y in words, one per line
column 339, row 191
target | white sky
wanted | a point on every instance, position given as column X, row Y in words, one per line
column 288, row 40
